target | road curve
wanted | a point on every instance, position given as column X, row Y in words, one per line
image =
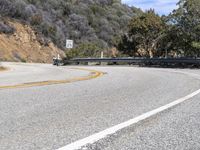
column 52, row 116
column 29, row 75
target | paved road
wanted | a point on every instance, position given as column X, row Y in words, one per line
column 52, row 116
column 25, row 73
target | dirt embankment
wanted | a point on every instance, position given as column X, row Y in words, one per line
column 2, row 68
column 23, row 46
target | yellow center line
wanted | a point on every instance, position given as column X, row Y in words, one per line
column 93, row 74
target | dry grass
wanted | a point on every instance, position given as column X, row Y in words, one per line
column 2, row 68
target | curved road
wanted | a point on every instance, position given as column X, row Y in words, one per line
column 53, row 116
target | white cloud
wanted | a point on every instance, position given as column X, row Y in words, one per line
column 160, row 6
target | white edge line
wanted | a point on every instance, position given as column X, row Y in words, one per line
column 96, row 137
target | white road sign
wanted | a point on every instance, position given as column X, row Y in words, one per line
column 69, row 43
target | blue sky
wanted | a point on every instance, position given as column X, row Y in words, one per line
column 163, row 7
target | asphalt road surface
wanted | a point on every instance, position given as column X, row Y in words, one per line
column 53, row 116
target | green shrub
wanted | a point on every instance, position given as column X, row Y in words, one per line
column 84, row 50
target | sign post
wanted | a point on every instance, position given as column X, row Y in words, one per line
column 69, row 44
column 102, row 54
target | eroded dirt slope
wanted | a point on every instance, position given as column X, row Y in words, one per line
column 24, row 46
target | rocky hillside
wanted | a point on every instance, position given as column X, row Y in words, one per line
column 99, row 22
column 23, row 46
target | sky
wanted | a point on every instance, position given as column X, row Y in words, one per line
column 162, row 7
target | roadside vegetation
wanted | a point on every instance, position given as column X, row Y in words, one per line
column 175, row 35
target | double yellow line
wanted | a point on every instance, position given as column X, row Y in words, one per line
column 93, row 74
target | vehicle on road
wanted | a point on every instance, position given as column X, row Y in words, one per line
column 57, row 60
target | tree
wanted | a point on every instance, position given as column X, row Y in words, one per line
column 145, row 32
column 186, row 21
column 127, row 46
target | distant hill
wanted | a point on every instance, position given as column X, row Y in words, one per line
column 91, row 21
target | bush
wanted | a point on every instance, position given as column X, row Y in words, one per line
column 36, row 19
column 84, row 50
column 5, row 28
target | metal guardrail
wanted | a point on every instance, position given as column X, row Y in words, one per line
column 145, row 61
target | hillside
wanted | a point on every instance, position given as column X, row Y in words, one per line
column 99, row 22
column 23, row 46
